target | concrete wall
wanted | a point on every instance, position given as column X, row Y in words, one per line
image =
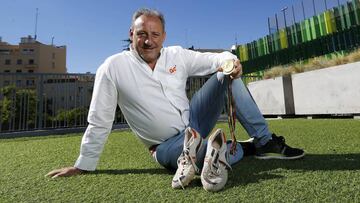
column 269, row 96
column 334, row 90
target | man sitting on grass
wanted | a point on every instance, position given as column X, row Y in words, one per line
column 148, row 83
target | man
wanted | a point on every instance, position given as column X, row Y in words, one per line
column 148, row 83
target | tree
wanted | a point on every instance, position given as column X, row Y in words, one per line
column 71, row 117
column 127, row 45
column 18, row 108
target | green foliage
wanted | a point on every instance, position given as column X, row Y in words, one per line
column 72, row 117
column 18, row 103
column 326, row 61
column 330, row 172
column 5, row 105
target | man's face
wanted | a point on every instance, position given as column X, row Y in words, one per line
column 147, row 37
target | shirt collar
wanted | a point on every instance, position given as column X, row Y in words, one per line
column 136, row 54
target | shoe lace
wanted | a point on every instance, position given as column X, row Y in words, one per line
column 279, row 139
column 187, row 160
column 215, row 167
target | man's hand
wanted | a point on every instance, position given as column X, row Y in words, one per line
column 237, row 72
column 63, row 172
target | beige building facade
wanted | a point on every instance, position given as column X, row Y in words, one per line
column 31, row 56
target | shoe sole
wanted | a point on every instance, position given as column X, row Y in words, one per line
column 266, row 157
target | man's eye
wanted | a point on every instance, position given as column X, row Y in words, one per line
column 141, row 34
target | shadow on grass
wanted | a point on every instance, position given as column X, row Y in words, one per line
column 251, row 170
column 131, row 171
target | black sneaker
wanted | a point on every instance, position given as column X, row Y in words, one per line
column 248, row 147
column 277, row 149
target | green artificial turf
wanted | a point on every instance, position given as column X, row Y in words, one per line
column 330, row 172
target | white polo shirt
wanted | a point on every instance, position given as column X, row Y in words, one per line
column 153, row 102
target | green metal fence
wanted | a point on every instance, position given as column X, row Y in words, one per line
column 333, row 30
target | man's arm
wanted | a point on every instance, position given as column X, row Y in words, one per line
column 199, row 64
column 101, row 116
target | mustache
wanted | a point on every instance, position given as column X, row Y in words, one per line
column 145, row 46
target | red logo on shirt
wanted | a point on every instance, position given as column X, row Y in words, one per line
column 172, row 69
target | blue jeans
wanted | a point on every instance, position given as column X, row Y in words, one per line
column 205, row 109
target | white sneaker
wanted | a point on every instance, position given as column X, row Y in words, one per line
column 186, row 161
column 215, row 171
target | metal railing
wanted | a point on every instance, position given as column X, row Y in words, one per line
column 326, row 28
column 34, row 101
column 302, row 10
column 31, row 101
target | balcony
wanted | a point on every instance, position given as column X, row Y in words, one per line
column 31, row 66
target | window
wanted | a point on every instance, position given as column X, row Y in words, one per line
column 30, row 71
column 7, row 61
column 31, row 61
column 18, row 83
column 53, row 65
column 6, row 71
column 53, row 55
column 27, row 51
column 4, row 51
column 18, row 70
column 30, row 82
column 19, row 62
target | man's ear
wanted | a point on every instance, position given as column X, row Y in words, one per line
column 131, row 33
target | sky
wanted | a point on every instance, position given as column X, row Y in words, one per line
column 93, row 30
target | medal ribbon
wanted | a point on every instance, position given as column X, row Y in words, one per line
column 231, row 117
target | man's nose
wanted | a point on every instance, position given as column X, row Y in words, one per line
column 148, row 42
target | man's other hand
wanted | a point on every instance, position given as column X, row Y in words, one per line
column 238, row 70
column 63, row 172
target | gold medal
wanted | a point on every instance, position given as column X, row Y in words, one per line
column 228, row 67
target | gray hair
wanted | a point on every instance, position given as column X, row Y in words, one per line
column 148, row 12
